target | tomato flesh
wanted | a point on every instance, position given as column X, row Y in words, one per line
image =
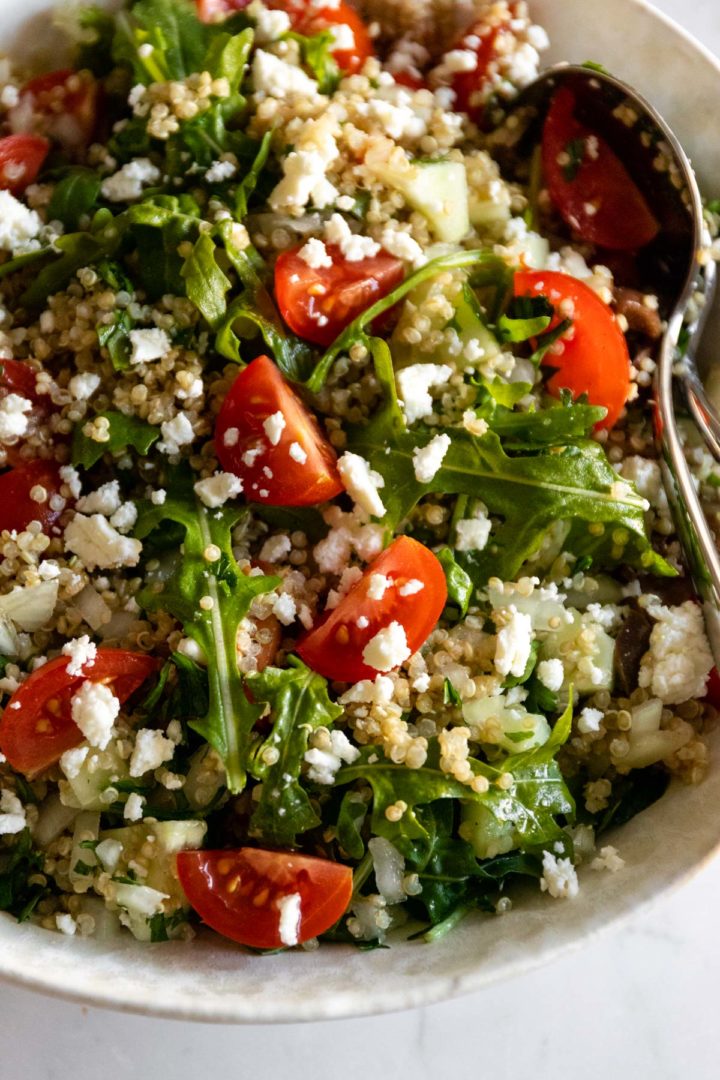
column 37, row 727
column 317, row 304
column 21, row 158
column 308, row 20
column 712, row 693
column 17, row 509
column 334, row 647
column 300, row 467
column 594, row 357
column 485, row 39
column 589, row 185
column 61, row 105
column 239, row 893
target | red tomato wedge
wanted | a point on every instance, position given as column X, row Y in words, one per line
column 17, row 508
column 21, row 158
column 283, row 460
column 317, row 304
column 62, row 105
column 37, row 727
column 250, row 895
column 712, row 694
column 309, row 19
column 594, row 357
column 589, row 185
column 17, row 377
column 485, row 39
column 415, row 598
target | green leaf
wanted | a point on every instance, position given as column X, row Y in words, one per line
column 450, row 694
column 18, row 864
column 353, row 811
column 505, row 393
column 75, row 251
column 317, row 54
column 525, row 318
column 227, row 57
column 115, row 337
column 544, row 343
column 299, row 704
column 562, row 423
column 205, row 283
column 124, row 432
column 575, row 150
column 478, row 260
column 459, row 583
column 179, row 40
column 247, row 185
column 230, row 719
column 74, row 197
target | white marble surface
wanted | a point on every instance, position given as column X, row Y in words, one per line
column 640, row 1003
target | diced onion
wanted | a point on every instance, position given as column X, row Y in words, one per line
column 9, row 641
column 389, row 866
column 31, row 606
column 53, row 820
column 93, row 608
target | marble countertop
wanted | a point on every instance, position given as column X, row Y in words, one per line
column 640, row 1002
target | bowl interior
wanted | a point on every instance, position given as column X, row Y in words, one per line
column 212, row 980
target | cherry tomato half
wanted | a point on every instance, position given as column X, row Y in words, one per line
column 62, row 105
column 285, row 461
column 592, row 358
column 21, row 158
column 415, row 598
column 308, row 20
column 317, row 304
column 17, row 508
column 241, row 894
column 37, row 727
column 589, row 185
column 485, row 39
column 18, row 377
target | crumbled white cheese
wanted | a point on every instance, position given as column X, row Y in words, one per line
column 297, row 453
column 362, row 483
column 285, row 609
column 109, row 852
column 326, row 758
column 269, row 24
column 12, row 814
column 104, row 500
column 411, row 587
column 158, row 497
column 95, row 709
column 514, row 641
column 215, row 490
column 427, row 460
column 175, row 433
column 402, row 246
column 273, row 426
column 676, row 666
column 152, row 749
column 304, row 182
column 551, row 674
column 126, row 184
column 124, row 517
column 559, row 877
column 608, row 858
column 388, row 649
column 71, row 477
column 276, row 548
column 133, row 810
column 472, row 534
column 83, row 386
column 289, row 918
column 589, row 720
column 82, row 652
column 414, row 384
column 378, row 586
column 73, row 760
column 353, row 248
column 315, row 254
column 19, row 226
column 148, row 344
column 98, row 544
column 13, row 416
column 343, row 37
column 276, row 78
column 220, row 170
column 66, row 924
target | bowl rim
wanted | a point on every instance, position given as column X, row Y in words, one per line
column 234, row 1009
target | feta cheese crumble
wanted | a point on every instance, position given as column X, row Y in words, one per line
column 414, row 384
column 82, row 652
column 95, row 709
column 388, row 649
column 99, row 545
column 353, row 248
column 362, row 483
column 677, row 665
column 12, row 814
column 514, row 641
column 289, row 907
column 19, row 226
column 315, row 254
column 273, row 426
column 551, row 674
column 152, row 749
column 215, row 490
column 329, row 750
column 559, row 877
column 148, row 344
column 13, row 416
column 127, row 183
column 427, row 460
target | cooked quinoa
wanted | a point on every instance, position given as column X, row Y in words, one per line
column 474, row 648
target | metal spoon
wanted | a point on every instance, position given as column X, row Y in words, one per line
column 671, row 266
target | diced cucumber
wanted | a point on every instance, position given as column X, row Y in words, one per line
column 488, row 194
column 98, row 772
column 488, row 835
column 544, row 609
column 205, row 777
column 587, row 653
column 153, row 846
column 436, row 189
column 510, row 727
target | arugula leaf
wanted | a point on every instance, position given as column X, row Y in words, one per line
column 561, row 423
column 505, row 393
column 299, row 704
column 317, row 54
column 450, row 694
column 124, row 431
column 74, row 196
column 98, row 29
column 231, row 716
column 544, row 343
column 76, row 250
column 353, row 811
column 247, row 185
column 459, row 583
column 16, row 865
column 483, row 261
column 205, row 283
column 115, row 337
column 179, row 40
column 159, row 225
column 525, row 318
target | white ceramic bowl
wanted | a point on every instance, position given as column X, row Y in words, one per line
column 210, row 979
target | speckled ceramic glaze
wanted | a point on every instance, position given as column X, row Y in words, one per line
column 212, row 980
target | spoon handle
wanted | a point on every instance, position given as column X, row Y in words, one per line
column 699, row 545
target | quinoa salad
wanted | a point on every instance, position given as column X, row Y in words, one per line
column 339, row 592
